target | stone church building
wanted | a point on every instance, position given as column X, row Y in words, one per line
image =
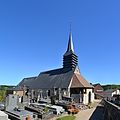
column 66, row 81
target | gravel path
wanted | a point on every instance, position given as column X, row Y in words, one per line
column 95, row 113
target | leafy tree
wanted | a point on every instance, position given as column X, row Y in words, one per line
column 106, row 87
column 2, row 95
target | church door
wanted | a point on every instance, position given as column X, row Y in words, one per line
column 89, row 97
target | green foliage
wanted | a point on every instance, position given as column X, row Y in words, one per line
column 106, row 87
column 2, row 95
column 3, row 89
column 70, row 117
column 46, row 109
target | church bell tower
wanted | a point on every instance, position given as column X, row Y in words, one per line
column 70, row 59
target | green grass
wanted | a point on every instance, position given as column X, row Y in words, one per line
column 70, row 117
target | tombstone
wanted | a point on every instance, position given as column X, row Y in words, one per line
column 54, row 91
column 53, row 98
column 11, row 102
column 47, row 94
column 41, row 94
column 3, row 116
column 32, row 94
column 59, row 93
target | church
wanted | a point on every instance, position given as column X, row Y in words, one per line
column 66, row 81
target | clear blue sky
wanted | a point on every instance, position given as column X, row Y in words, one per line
column 34, row 36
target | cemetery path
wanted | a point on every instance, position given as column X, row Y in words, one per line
column 94, row 113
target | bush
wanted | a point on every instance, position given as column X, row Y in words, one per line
column 2, row 95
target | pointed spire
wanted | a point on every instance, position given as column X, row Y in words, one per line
column 70, row 43
column 70, row 60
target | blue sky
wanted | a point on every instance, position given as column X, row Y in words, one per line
column 34, row 36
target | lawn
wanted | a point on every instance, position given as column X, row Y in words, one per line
column 70, row 117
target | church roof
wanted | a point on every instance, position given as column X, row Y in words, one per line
column 27, row 81
column 79, row 81
column 59, row 78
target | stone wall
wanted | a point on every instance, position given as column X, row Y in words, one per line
column 86, row 96
column 111, row 111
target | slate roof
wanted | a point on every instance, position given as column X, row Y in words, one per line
column 59, row 78
column 27, row 81
column 96, row 84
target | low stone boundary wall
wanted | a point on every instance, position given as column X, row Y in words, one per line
column 111, row 111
